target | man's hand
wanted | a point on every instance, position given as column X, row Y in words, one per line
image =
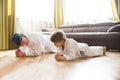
column 59, row 57
column 19, row 53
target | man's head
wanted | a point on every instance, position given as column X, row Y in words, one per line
column 58, row 38
column 19, row 39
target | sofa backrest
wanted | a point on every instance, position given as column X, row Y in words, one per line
column 98, row 27
column 67, row 28
column 91, row 29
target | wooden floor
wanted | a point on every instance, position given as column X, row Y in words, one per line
column 46, row 68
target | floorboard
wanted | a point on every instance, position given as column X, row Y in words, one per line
column 47, row 68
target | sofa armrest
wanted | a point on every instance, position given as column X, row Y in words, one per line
column 115, row 28
column 47, row 30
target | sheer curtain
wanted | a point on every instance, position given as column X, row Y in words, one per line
column 115, row 9
column 33, row 15
column 87, row 11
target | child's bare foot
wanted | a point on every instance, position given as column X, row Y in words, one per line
column 104, row 50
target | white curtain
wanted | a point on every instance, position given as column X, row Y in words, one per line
column 33, row 15
column 87, row 11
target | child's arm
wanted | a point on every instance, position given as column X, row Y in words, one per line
column 59, row 57
column 71, row 50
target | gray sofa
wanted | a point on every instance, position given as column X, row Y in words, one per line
column 99, row 34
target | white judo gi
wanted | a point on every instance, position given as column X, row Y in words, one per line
column 38, row 43
column 73, row 49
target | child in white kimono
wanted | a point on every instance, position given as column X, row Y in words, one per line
column 33, row 44
column 69, row 49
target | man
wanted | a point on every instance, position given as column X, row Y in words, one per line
column 33, row 44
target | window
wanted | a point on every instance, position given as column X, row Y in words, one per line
column 33, row 15
column 87, row 11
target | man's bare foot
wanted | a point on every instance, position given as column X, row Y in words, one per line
column 104, row 50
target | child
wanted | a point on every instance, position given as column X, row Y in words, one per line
column 69, row 49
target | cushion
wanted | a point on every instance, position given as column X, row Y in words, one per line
column 115, row 28
column 91, row 29
column 67, row 30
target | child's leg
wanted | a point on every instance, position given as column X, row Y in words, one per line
column 84, row 50
column 96, row 51
column 91, row 51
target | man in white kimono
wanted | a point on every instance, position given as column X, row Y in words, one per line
column 69, row 49
column 33, row 44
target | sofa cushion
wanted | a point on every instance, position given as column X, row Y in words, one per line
column 83, row 25
column 115, row 28
column 106, row 24
column 65, row 26
column 91, row 29
column 67, row 30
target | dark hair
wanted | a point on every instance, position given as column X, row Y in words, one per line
column 17, row 38
column 57, row 36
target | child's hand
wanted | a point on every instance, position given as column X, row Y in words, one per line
column 59, row 57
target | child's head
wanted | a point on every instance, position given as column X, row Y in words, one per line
column 19, row 39
column 58, row 37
